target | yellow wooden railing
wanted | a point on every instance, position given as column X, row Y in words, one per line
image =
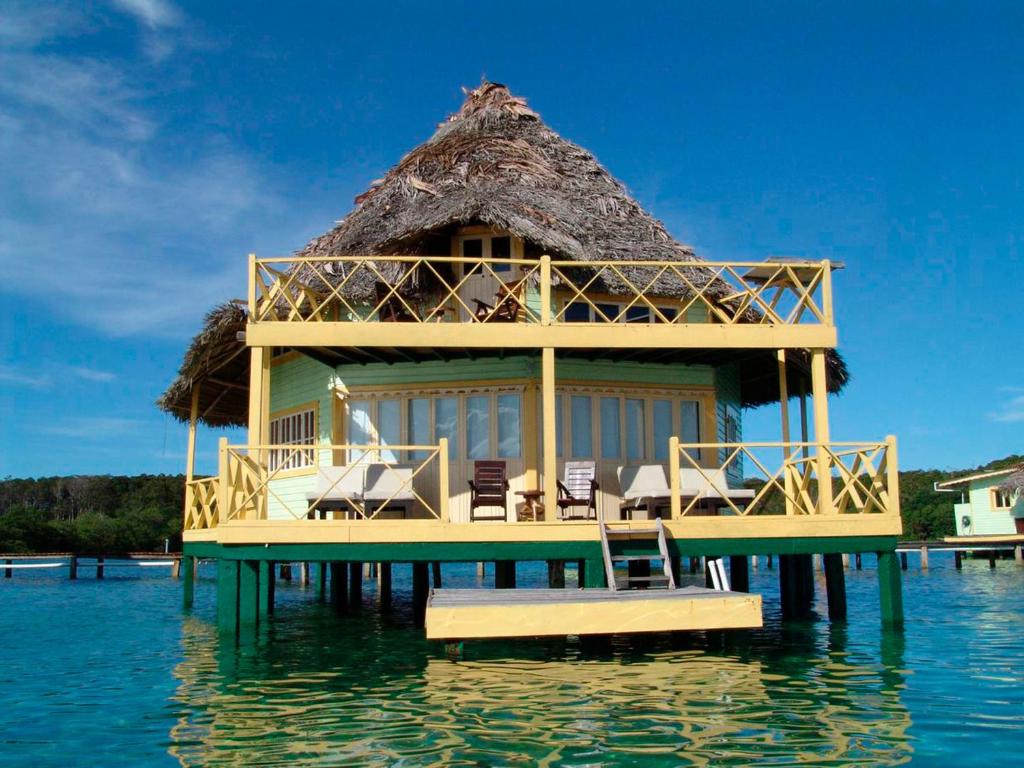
column 281, row 481
column 201, row 503
column 787, row 478
column 425, row 289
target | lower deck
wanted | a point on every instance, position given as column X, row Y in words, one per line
column 466, row 614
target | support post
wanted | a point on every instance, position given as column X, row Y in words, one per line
column 593, row 574
column 8, row 572
column 176, row 568
column 193, row 417
column 835, row 586
column 443, row 478
column 924, row 558
column 550, row 444
column 385, row 585
column 355, row 586
column 819, row 391
column 321, row 582
column 259, row 417
column 531, row 437
column 303, row 574
column 227, row 596
column 890, row 583
column 264, row 601
column 739, row 574
column 556, row 574
column 248, row 594
column 339, row 587
column 903, row 560
column 285, row 570
column 188, row 580
column 271, row 587
column 435, row 572
column 958, row 559
column 857, row 561
column 787, row 473
column 1018, row 553
column 420, row 591
column 99, row 567
column 73, row 567
column 505, row 574
column 675, row 500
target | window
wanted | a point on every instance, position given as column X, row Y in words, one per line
column 611, row 434
column 297, row 428
column 582, row 430
column 580, row 311
column 509, row 433
column 488, row 247
column 478, row 427
column 635, row 431
column 419, row 426
column 664, row 428
column 446, row 423
column 1002, row 498
column 501, row 248
column 690, row 432
column 559, row 435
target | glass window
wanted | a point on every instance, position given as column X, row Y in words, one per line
column 669, row 313
column 577, row 312
column 359, row 429
column 581, row 428
column 611, row 433
column 419, row 426
column 293, row 429
column 509, row 439
column 559, row 434
column 473, row 249
column 1003, row 499
column 389, row 427
column 478, row 427
column 501, row 248
column 664, row 428
column 446, row 423
column 610, row 312
column 635, row 433
column 638, row 315
column 691, row 425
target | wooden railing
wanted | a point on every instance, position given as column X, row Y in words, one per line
column 787, row 478
column 300, row 481
column 426, row 289
column 201, row 503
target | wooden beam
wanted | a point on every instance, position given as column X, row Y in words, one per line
column 193, row 416
column 531, row 436
column 259, row 396
column 819, row 393
column 550, row 441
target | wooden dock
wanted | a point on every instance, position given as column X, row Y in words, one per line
column 462, row 614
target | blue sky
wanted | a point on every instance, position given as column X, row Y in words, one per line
column 146, row 146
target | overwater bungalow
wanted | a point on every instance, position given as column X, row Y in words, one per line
column 500, row 356
column 991, row 503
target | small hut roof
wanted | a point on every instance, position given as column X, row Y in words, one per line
column 218, row 363
column 1015, row 481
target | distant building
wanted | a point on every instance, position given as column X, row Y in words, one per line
column 990, row 503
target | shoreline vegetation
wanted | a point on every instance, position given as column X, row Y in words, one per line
column 116, row 514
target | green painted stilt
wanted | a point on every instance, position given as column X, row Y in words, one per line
column 593, row 574
column 265, row 604
column 835, row 586
column 385, row 585
column 248, row 594
column 739, row 573
column 505, row 574
column 339, row 587
column 227, row 596
column 355, row 586
column 435, row 568
column 890, row 584
column 556, row 574
column 420, row 591
column 188, row 580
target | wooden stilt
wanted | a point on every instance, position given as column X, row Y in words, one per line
column 188, row 583
column 556, row 574
column 694, row 564
column 355, row 586
column 271, row 587
column 339, row 587
column 285, row 571
column 99, row 567
column 263, row 603
column 420, row 591
column 890, row 583
column 958, row 559
column 385, row 585
column 846, row 560
column 739, row 575
column 903, row 560
column 991, row 559
column 73, row 567
column 924, row 558
column 768, row 562
column 303, row 574
column 754, row 562
column 677, row 569
column 835, row 586
column 176, row 569
column 321, row 582
column 435, row 569
column 593, row 574
column 790, row 587
column 505, row 574
column 248, row 594
column 227, row 596
column 857, row 560
column 1018, row 553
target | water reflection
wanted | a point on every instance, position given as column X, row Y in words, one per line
column 370, row 692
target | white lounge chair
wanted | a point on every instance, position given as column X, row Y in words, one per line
column 646, row 487
column 712, row 489
column 388, row 488
column 337, row 489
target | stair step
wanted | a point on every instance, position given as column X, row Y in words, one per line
column 647, row 578
column 620, row 558
column 631, row 531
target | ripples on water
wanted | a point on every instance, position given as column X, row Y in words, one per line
column 112, row 673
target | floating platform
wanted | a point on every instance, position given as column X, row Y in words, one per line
column 464, row 614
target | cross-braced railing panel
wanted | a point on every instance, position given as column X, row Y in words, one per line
column 425, row 289
column 301, row 482
column 785, row 478
column 201, row 503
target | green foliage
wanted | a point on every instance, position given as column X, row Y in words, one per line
column 91, row 515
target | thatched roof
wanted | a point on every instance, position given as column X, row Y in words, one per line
column 495, row 162
column 1015, row 481
column 218, row 363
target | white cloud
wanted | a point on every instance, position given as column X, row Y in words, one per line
column 1012, row 409
column 91, row 374
column 153, row 13
column 93, row 427
column 17, row 377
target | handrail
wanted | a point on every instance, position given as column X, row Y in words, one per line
column 420, row 289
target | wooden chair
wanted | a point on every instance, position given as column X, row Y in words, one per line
column 488, row 488
column 393, row 310
column 508, row 304
column 578, row 491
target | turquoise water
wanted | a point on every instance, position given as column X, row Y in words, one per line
column 114, row 673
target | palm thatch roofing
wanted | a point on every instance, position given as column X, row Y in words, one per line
column 1014, row 483
column 494, row 162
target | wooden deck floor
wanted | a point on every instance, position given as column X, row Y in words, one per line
column 462, row 614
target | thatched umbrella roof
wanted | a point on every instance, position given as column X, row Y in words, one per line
column 1015, row 481
column 493, row 162
column 218, row 363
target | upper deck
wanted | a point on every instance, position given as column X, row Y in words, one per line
column 518, row 303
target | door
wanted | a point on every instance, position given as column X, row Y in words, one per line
column 483, row 282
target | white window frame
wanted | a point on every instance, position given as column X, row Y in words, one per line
column 296, row 426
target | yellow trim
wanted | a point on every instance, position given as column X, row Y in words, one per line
column 287, row 357
column 432, row 387
column 994, row 498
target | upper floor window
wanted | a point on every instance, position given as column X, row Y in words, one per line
column 297, row 428
column 487, row 247
column 1002, row 498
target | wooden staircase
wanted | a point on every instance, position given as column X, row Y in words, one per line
column 665, row 580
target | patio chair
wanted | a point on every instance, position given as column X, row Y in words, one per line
column 336, row 489
column 646, row 487
column 488, row 488
column 578, row 491
column 508, row 304
column 389, row 487
column 393, row 309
